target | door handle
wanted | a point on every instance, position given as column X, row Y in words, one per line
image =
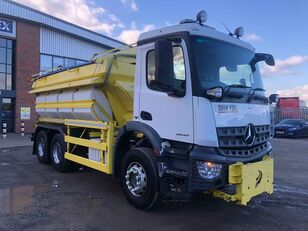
column 145, row 115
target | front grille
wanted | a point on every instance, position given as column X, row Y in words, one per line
column 244, row 152
column 231, row 141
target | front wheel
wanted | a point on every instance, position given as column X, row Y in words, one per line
column 139, row 178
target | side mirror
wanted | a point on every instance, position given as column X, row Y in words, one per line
column 267, row 58
column 273, row 98
column 164, row 64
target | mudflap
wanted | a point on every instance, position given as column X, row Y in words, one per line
column 249, row 181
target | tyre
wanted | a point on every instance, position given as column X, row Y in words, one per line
column 57, row 151
column 296, row 136
column 139, row 179
column 41, row 147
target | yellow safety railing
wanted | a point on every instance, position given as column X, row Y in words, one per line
column 104, row 146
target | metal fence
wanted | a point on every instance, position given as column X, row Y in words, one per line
column 279, row 114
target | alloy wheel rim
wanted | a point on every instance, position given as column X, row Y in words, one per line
column 41, row 147
column 136, row 179
column 56, row 152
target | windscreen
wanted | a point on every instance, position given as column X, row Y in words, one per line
column 223, row 64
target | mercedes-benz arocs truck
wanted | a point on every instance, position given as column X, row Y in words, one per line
column 181, row 111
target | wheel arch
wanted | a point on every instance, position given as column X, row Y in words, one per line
column 123, row 141
column 50, row 130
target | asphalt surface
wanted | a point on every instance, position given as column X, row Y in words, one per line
column 15, row 140
column 36, row 197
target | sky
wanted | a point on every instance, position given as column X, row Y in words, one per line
column 278, row 27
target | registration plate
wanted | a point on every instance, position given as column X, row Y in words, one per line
column 280, row 133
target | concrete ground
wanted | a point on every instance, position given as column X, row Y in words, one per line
column 35, row 197
column 15, row 140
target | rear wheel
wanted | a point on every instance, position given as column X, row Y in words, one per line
column 57, row 151
column 41, row 147
column 139, row 178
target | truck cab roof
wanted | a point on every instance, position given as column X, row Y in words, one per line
column 193, row 29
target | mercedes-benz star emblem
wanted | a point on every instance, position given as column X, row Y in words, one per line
column 249, row 135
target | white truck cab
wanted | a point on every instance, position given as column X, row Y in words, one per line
column 203, row 60
column 202, row 92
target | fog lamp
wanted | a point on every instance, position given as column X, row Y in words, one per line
column 208, row 170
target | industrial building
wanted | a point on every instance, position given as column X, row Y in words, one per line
column 32, row 42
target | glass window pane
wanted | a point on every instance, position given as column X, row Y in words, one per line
column 8, row 82
column 9, row 43
column 2, row 55
column 178, row 70
column 9, row 69
column 150, row 67
column 2, row 67
column 70, row 62
column 58, row 62
column 2, row 42
column 46, row 62
column 2, row 81
column 9, row 56
column 79, row 62
column 178, row 63
column 6, row 100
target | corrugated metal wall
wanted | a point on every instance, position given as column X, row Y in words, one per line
column 55, row 43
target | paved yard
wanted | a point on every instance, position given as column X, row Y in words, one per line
column 35, row 197
column 13, row 140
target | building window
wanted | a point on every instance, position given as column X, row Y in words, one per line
column 80, row 62
column 70, row 62
column 6, row 61
column 51, row 62
column 58, row 62
column 46, row 63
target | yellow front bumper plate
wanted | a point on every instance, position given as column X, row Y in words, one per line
column 249, row 179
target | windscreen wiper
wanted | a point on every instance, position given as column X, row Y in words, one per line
column 227, row 88
column 234, row 94
column 253, row 92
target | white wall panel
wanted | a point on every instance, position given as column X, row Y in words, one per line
column 56, row 43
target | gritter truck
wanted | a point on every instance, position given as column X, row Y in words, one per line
column 182, row 111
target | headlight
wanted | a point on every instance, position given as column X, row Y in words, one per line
column 208, row 170
column 292, row 129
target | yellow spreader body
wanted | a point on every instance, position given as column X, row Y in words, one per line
column 113, row 74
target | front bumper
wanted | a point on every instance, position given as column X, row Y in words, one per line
column 249, row 180
column 183, row 168
column 285, row 133
column 199, row 153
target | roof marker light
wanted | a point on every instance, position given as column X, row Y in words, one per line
column 202, row 17
column 239, row 32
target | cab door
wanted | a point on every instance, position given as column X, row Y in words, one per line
column 170, row 116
